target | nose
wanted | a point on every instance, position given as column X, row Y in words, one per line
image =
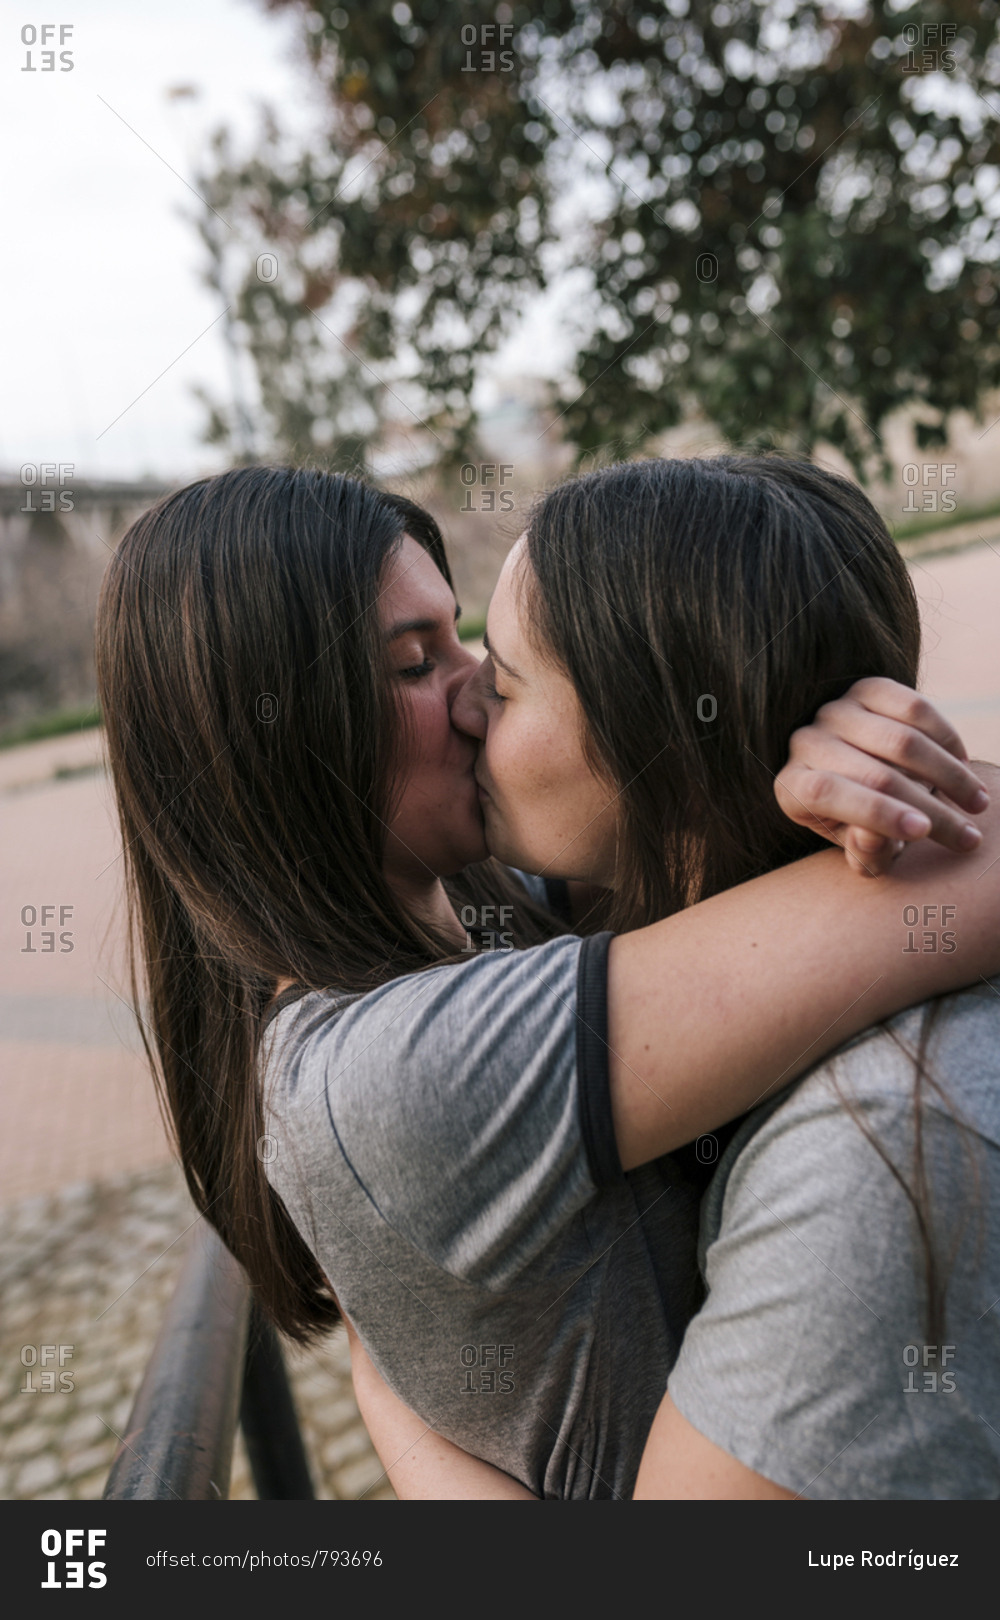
column 468, row 711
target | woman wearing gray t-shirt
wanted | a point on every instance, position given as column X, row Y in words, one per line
column 850, row 1241
column 435, row 1134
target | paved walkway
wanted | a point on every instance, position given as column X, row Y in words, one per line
column 94, row 1207
column 95, row 1210
column 88, row 1272
column 960, row 609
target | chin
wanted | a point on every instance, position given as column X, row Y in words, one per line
column 502, row 849
column 467, row 851
column 553, row 864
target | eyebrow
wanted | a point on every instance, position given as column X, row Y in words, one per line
column 408, row 626
column 507, row 668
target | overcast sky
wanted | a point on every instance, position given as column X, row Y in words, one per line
column 102, row 290
column 106, row 323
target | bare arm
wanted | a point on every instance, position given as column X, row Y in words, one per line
column 680, row 1464
column 419, row 1463
column 802, row 959
column 712, row 1009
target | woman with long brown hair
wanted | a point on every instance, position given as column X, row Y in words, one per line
column 431, row 1130
column 838, row 1245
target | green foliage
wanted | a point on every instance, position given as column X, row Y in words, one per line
column 472, row 629
column 787, row 219
column 941, row 522
column 56, row 724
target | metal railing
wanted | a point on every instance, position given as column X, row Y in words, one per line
column 215, row 1362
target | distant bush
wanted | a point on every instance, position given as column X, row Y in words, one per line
column 55, row 724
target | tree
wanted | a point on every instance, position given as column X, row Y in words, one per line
column 780, row 215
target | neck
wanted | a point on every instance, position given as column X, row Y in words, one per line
column 428, row 903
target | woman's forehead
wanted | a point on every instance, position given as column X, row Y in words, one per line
column 414, row 587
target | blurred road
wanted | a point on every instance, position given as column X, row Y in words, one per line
column 77, row 1101
column 95, row 1220
column 77, row 1096
column 960, row 609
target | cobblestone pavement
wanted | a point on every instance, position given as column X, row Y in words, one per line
column 90, row 1269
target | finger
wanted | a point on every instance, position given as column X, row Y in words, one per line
column 909, row 750
column 883, row 696
column 856, row 863
column 831, row 802
column 887, row 803
column 870, row 853
column 866, row 843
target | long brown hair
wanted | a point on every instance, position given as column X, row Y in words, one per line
column 704, row 609
column 255, row 750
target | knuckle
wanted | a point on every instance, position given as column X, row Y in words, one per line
column 786, row 791
column 879, row 778
column 827, row 714
column 798, row 743
column 818, row 790
column 907, row 745
column 916, row 709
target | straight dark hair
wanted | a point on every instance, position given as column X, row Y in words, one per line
column 255, row 747
column 704, row 609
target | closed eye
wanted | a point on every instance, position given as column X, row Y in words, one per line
column 489, row 686
column 415, row 671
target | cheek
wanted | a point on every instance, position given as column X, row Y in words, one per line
column 430, row 729
column 524, row 755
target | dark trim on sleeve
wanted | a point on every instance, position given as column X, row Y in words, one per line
column 593, row 1089
column 557, row 899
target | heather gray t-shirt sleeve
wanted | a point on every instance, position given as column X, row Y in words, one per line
column 810, row 1360
column 469, row 1102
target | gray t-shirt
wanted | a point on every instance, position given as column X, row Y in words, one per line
column 445, row 1147
column 809, row 1360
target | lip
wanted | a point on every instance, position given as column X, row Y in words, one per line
column 481, row 790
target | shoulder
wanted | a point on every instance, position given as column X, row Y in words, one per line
column 383, row 1037
column 451, row 1098
column 822, row 1154
column 824, row 1122
column 816, row 1276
